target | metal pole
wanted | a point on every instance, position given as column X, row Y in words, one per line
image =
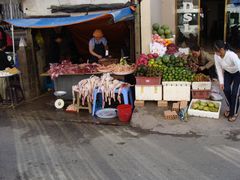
column 12, row 29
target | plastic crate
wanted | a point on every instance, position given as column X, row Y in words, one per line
column 201, row 94
column 148, row 93
column 148, row 80
column 208, row 114
column 176, row 91
column 201, row 85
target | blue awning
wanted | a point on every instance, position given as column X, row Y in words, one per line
column 117, row 15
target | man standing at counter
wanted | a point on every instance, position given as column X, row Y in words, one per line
column 97, row 46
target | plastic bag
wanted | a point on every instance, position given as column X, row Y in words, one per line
column 215, row 92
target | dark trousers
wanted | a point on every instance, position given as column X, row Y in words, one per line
column 231, row 91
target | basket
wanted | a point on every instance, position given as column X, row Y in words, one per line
column 148, row 80
column 201, row 94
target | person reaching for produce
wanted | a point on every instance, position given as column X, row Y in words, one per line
column 204, row 61
column 228, row 69
column 97, row 46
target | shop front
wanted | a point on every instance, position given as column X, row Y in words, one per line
column 193, row 21
column 205, row 21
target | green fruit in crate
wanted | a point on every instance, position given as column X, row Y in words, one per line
column 206, row 108
column 215, row 109
column 155, row 26
column 203, row 103
column 216, row 105
column 200, row 107
column 195, row 106
column 210, row 104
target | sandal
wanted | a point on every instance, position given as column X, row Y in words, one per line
column 232, row 119
column 226, row 114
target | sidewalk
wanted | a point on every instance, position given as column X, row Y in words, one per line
column 151, row 118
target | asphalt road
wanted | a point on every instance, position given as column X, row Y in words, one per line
column 35, row 147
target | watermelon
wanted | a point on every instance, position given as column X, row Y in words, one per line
column 161, row 32
column 164, row 27
column 163, row 36
column 154, row 32
column 167, row 31
column 155, row 26
column 166, row 58
column 168, row 36
column 172, row 58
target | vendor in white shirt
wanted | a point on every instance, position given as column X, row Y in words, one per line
column 97, row 46
column 228, row 69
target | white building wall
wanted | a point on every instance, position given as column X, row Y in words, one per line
column 41, row 7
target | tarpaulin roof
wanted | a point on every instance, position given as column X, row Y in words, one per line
column 117, row 15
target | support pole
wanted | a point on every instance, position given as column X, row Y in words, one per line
column 12, row 30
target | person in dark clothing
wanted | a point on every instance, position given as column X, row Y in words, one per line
column 4, row 63
column 62, row 48
column 97, row 46
column 6, row 40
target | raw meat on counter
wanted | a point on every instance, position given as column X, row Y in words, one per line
column 66, row 67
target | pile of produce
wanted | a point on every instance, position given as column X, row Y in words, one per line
column 123, row 67
column 201, row 78
column 192, row 65
column 173, row 61
column 171, row 67
column 157, row 48
column 159, row 39
column 107, row 85
column 172, row 49
column 177, row 74
column 163, row 31
column 66, row 67
column 143, row 58
column 205, row 106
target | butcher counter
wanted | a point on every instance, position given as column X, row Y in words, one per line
column 66, row 81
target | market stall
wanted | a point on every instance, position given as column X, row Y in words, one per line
column 81, row 29
column 170, row 77
column 66, row 74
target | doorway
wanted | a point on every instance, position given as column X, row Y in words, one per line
column 212, row 13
